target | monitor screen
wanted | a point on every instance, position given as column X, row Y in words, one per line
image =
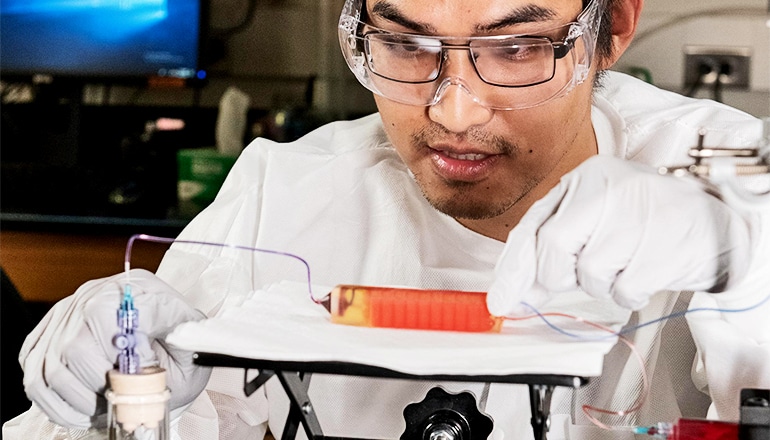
column 108, row 39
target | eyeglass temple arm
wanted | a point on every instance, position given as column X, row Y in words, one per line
column 560, row 50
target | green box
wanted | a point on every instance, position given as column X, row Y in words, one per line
column 201, row 172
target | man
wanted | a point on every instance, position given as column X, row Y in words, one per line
column 488, row 167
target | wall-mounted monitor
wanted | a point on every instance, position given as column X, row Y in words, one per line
column 102, row 40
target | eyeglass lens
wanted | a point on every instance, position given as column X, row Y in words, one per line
column 512, row 62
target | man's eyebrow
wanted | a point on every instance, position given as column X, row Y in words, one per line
column 390, row 12
column 526, row 14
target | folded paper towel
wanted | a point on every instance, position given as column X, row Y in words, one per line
column 281, row 323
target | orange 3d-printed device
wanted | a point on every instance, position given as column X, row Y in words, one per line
column 394, row 307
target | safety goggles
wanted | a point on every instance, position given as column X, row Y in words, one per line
column 512, row 71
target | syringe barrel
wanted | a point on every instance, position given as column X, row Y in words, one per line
column 703, row 429
column 392, row 307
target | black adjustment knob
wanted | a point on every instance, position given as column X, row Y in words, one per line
column 445, row 416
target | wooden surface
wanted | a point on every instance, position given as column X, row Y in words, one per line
column 46, row 267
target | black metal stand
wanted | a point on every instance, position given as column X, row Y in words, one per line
column 295, row 379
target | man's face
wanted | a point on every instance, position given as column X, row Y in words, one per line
column 484, row 167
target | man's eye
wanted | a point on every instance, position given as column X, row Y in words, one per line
column 516, row 51
column 410, row 45
column 404, row 46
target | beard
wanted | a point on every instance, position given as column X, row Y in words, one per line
column 469, row 200
column 467, row 203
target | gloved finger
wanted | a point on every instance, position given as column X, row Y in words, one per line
column 607, row 255
column 76, row 394
column 640, row 280
column 643, row 275
column 516, row 269
column 85, row 359
column 56, row 408
column 41, row 359
column 685, row 271
column 185, row 379
column 564, row 237
column 35, row 344
column 605, row 259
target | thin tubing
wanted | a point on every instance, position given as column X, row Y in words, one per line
column 631, row 329
column 587, row 409
column 167, row 240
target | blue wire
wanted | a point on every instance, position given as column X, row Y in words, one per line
column 644, row 324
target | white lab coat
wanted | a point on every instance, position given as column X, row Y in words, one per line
column 341, row 199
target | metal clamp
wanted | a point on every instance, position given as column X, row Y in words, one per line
column 702, row 168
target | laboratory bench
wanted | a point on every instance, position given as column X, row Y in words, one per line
column 47, row 257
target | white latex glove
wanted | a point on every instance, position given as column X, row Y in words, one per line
column 67, row 356
column 615, row 228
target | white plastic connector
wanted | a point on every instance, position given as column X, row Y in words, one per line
column 138, row 399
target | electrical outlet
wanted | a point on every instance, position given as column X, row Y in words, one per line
column 706, row 64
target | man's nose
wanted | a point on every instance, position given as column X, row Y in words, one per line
column 458, row 108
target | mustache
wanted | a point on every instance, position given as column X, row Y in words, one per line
column 472, row 136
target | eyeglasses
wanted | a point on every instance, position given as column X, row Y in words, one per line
column 515, row 71
column 499, row 61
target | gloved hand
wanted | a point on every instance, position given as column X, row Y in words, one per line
column 67, row 356
column 616, row 228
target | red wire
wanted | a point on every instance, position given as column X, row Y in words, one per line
column 588, row 409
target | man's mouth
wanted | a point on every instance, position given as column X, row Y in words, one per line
column 466, row 167
column 466, row 156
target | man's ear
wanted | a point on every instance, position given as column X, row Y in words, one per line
column 625, row 18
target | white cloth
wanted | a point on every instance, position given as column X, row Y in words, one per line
column 341, row 198
column 282, row 323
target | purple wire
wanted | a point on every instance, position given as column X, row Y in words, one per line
column 168, row 240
